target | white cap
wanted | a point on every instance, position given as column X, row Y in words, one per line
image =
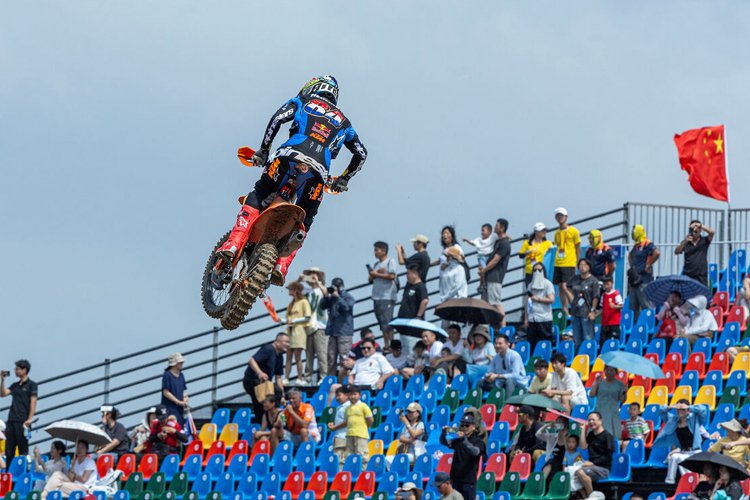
column 561, row 210
column 539, row 226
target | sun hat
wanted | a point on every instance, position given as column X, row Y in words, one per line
column 175, row 359
column 414, row 407
column 482, row 330
column 454, row 252
column 732, row 425
column 316, row 270
column 420, row 238
column 418, row 492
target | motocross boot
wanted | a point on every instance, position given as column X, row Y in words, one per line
column 238, row 237
column 278, row 275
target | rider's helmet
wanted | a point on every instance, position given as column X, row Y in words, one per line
column 325, row 85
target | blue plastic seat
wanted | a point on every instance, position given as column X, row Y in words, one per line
column 220, row 418
column 202, row 485
column 716, row 379
column 326, row 383
column 193, row 466
column 119, row 495
column 376, row 465
column 744, row 412
column 690, row 378
column 724, row 413
column 414, row 477
column 501, row 495
column 589, row 348
column 441, row 415
column 658, row 347
column 242, row 418
column 248, row 483
column 416, row 385
column 393, row 386
column 306, row 449
column 567, row 347
column 306, row 465
column 57, row 495
column 260, row 466
column 543, row 349
column 404, row 399
column 384, row 432
column 23, row 483
column 76, row 495
column 656, row 458
column 388, row 483
column 524, row 349
column 400, row 466
column 610, row 345
column 703, row 345
column 647, row 318
column 500, row 432
column 236, row 495
column 428, row 402
column 225, row 484
column 461, row 383
column 383, row 400
column 626, row 319
column 18, row 466
column 170, row 466
column 657, row 495
column 579, row 411
column 319, row 402
column 353, row 464
column 284, row 463
column 738, row 378
column 639, row 332
column 330, row 465
column 284, row 448
column 271, row 485
column 637, row 451
column 681, row 347
column 215, row 465
column 634, row 347
column 459, row 414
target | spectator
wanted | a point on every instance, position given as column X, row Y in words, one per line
column 56, row 463
column 568, row 243
column 452, row 282
column 506, row 368
column 554, row 435
column 636, row 425
column 298, row 422
column 22, row 409
column 702, row 322
column 478, row 358
column 583, row 296
column 743, row 298
column 359, row 419
column 484, row 245
column 641, row 258
column 673, row 315
column 537, row 315
column 271, row 414
column 298, row 316
column 566, row 385
column 384, row 290
column 542, row 380
column 451, row 362
column 421, row 259
column 340, row 327
column 695, row 247
column 443, row 484
column 396, row 357
column 139, row 435
column 372, row 370
column 433, row 346
column 166, row 434
column 338, row 426
column 729, row 483
column 313, row 282
column 727, row 445
column 174, row 387
column 525, row 440
column 468, row 451
column 2, row 443
column 418, row 359
column 266, row 364
column 448, row 241
column 116, row 432
column 494, row 271
column 414, row 302
column 573, row 454
column 611, row 310
column 355, row 353
column 704, row 490
column 411, row 490
column 81, row 477
column 533, row 250
column 413, row 430
column 601, row 446
column 609, row 393
column 682, row 432
column 601, row 256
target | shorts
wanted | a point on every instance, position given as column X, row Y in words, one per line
column 610, row 332
column 595, row 472
column 383, row 310
column 296, row 439
column 492, row 294
column 563, row 274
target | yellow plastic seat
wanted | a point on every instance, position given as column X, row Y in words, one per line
column 598, row 367
column 706, row 396
column 207, row 435
column 636, row 395
column 375, row 447
column 741, row 362
column 392, row 448
column 659, row 396
column 683, row 392
column 230, row 434
column 581, row 365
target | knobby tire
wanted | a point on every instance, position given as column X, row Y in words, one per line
column 244, row 295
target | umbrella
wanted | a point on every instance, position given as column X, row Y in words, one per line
column 472, row 311
column 632, row 363
column 695, row 463
column 415, row 327
column 658, row 290
column 71, row 430
column 535, row 401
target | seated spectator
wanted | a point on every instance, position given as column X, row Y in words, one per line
column 396, row 357
column 166, row 434
column 704, row 490
column 525, row 439
column 673, row 315
column 139, row 435
column 601, row 256
column 537, row 315
column 449, row 361
column 271, row 414
column 56, row 463
column 743, row 298
column 566, row 384
column 359, row 419
column 432, row 348
column 729, row 484
column 728, row 445
column 601, row 446
column 82, row 474
column 298, row 318
column 355, row 353
column 583, row 296
column 338, row 426
column 506, row 368
column 554, row 435
column 533, row 250
column 421, row 259
column 636, row 425
column 418, row 359
column 453, row 281
column 702, row 322
column 611, row 310
column 573, row 454
column 414, row 302
column 681, row 432
column 116, row 432
column 412, row 431
column 478, row 358
column 411, row 490
column 542, row 379
column 484, row 245
column 300, row 425
column 371, row 371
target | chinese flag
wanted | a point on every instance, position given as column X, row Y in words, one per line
column 702, row 156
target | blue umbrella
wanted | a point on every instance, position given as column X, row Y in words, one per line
column 632, row 363
column 658, row 290
column 415, row 327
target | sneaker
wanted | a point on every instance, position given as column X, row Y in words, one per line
column 302, row 381
column 285, row 382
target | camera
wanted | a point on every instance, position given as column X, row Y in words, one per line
column 5, row 373
column 331, row 289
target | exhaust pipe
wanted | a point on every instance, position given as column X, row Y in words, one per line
column 295, row 240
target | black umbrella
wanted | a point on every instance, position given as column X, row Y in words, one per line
column 695, row 463
column 658, row 290
column 472, row 311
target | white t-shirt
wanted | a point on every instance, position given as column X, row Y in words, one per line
column 399, row 362
column 570, row 382
column 434, row 351
column 485, row 247
column 340, row 417
column 367, row 371
column 88, row 464
column 457, row 349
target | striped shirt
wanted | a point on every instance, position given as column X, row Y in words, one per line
column 638, row 428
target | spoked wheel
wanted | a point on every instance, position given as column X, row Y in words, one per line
column 215, row 300
column 251, row 284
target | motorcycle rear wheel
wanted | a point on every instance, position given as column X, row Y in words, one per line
column 214, row 301
column 252, row 283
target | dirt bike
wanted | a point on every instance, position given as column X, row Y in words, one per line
column 229, row 289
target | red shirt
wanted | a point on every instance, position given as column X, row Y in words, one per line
column 610, row 315
column 171, row 439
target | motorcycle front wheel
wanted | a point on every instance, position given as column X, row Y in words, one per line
column 251, row 284
column 215, row 300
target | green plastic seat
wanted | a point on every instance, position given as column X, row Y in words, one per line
column 535, row 486
column 560, row 319
column 214, row 495
column 530, row 364
column 134, row 484
column 496, row 397
column 356, row 495
column 332, row 495
column 377, row 417
column 157, row 485
column 34, row 495
column 486, row 483
column 731, row 395
column 328, row 416
column 169, row 495
column 12, row 495
column 520, row 391
column 146, row 495
column 179, row 484
column 450, row 399
column 380, row 495
column 511, row 483
column 192, row 495
column 474, row 398
column 559, row 488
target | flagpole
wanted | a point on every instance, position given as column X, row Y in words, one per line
column 729, row 198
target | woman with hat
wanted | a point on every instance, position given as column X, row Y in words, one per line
column 533, row 249
column 733, row 445
column 412, row 431
column 476, row 359
column 409, row 490
column 173, row 388
column 298, row 316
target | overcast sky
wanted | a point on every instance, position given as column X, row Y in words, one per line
column 120, row 122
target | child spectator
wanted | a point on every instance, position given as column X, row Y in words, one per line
column 396, row 357
column 572, row 453
column 419, row 355
column 358, row 420
column 636, row 425
column 542, row 379
column 484, row 245
column 611, row 311
column 339, row 424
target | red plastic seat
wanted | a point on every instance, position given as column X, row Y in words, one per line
column 194, row 448
column 319, row 484
column 295, row 483
column 721, row 300
column 489, row 416
column 509, row 415
column 650, row 437
column 697, row 361
column 366, row 482
column 737, row 314
column 104, row 464
column 643, row 382
column 261, row 447
column 239, row 448
column 720, row 362
column 623, row 377
column 521, row 464
column 653, row 357
column 127, row 465
column 673, row 363
column 6, row 482
column 217, row 448
column 687, row 484
column 444, row 465
column 342, row 482
column 718, row 316
column 497, row 464
column 149, row 464
column 668, row 381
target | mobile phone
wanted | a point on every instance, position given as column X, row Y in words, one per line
column 369, row 267
column 405, row 494
column 5, row 373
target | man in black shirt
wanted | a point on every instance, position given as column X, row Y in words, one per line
column 420, row 259
column 413, row 303
column 601, row 445
column 526, row 440
column 695, row 247
column 468, row 449
column 494, row 271
column 22, row 409
column 116, row 432
column 264, row 365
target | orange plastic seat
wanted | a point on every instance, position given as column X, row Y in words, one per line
column 673, row 363
column 489, row 416
column 104, row 464
column 668, row 381
column 127, row 465
column 217, row 448
column 644, row 382
column 445, row 463
column 366, row 483
column 194, row 448
column 737, row 314
column 6, row 483
column 521, row 464
column 721, row 299
column 342, row 482
column 497, row 464
column 149, row 464
column 239, row 448
column 509, row 415
column 319, row 484
column 720, row 362
column 295, row 483
column 718, row 316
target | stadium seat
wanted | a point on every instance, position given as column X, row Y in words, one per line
column 567, row 347
column 415, row 385
column 610, row 345
column 441, row 415
column 511, row 484
column 682, row 392
column 23, row 484
column 524, row 349
column 687, row 483
column 673, row 362
column 737, row 315
column 582, row 366
column 126, row 464
column 179, row 484
column 451, row 400
column 588, row 348
column 389, row 483
column 716, row 379
column 706, row 396
column 647, row 318
column 318, row 401
column 703, row 345
column 428, row 401
column 510, row 416
column 497, row 398
column 644, row 382
column 636, row 449
column 157, row 485
column 659, row 396
column 383, row 400
column 294, row 484
column 543, row 349
column 365, row 483
column 639, row 332
column 134, row 484
column 225, row 484
column 207, row 435
column 376, row 465
column 148, row 466
column 658, row 347
column 285, row 448
column 242, row 418
column 634, row 346
column 260, row 466
column 461, row 384
column 424, row 465
column 53, row 495
column 353, row 465
column 697, row 362
column 721, row 299
column 636, row 395
column 119, row 495
column 522, row 464
column 474, row 398
column 497, row 463
column 690, row 379
column 559, row 487
column 239, row 448
column 741, row 363
column 486, row 483
column 202, row 485
column 724, row 413
column 318, row 485
column 306, row 449
column 720, row 362
column 214, row 465
column 459, row 414
column 731, row 396
column 248, row 483
column 104, row 464
column 489, row 416
column 668, row 381
column 220, row 417
column 194, row 448
column 534, row 488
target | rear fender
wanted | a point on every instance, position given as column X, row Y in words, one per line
column 277, row 222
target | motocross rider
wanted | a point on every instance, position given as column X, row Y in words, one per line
column 315, row 137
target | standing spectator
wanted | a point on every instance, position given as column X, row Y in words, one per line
column 166, row 434
column 641, row 258
column 271, row 413
column 371, row 371
column 421, row 259
column 506, row 368
column 542, row 380
column 525, row 440
column 601, row 256
column 359, row 419
column 701, row 323
column 636, row 425
column 81, row 477
column 448, row 241
column 313, row 282
column 266, row 363
column 452, row 283
column 609, row 393
column 484, row 245
column 454, row 344
column 397, row 358
column 682, row 432
column 56, row 463
column 565, row 384
column 22, row 409
column 537, row 315
column 611, row 310
column 116, row 432
column 583, row 296
column 494, row 271
column 384, row 290
column 568, row 243
column 174, row 387
column 443, row 484
column 340, row 328
column 414, row 302
column 601, row 446
column 298, row 316
column 468, row 450
column 298, row 422
column 695, row 247
column 338, row 426
column 533, row 249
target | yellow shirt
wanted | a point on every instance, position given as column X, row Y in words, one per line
column 538, row 249
column 355, row 420
column 297, row 310
column 536, row 386
column 737, row 453
column 566, row 241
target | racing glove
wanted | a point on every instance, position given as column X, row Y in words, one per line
column 260, row 157
column 339, row 185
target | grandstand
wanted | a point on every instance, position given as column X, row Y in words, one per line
column 222, row 464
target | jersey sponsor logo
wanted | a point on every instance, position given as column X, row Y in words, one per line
column 321, row 129
column 318, row 137
column 273, row 170
column 316, row 192
column 320, row 108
